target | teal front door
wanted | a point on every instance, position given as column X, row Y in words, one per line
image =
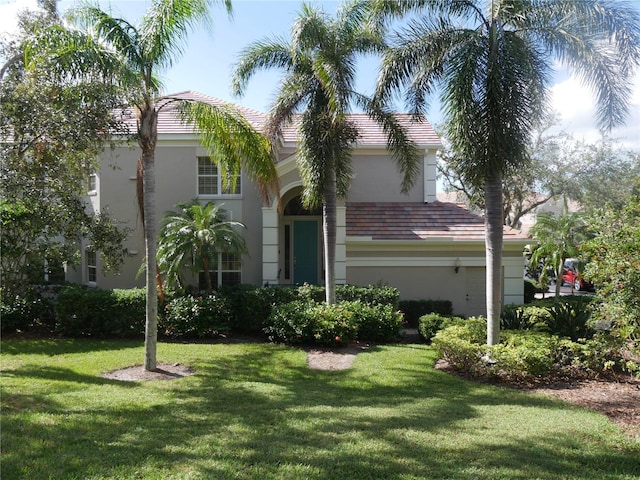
column 305, row 251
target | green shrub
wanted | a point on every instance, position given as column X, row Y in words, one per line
column 431, row 323
column 377, row 323
column 601, row 353
column 530, row 290
column 86, row 311
column 252, row 305
column 523, row 353
column 370, row 295
column 462, row 345
column 23, row 312
column 414, row 309
column 549, row 302
column 519, row 354
column 571, row 319
column 299, row 322
column 310, row 293
column 205, row 316
column 302, row 322
column 524, row 317
column 529, row 353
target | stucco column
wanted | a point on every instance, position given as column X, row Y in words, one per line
column 341, row 247
column 269, row 245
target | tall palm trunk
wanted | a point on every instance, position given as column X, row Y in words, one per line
column 148, row 131
column 493, row 243
column 329, row 226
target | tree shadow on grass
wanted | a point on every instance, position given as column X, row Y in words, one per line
column 59, row 374
column 54, row 347
column 259, row 412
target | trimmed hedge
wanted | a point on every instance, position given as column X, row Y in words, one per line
column 196, row 317
column 370, row 295
column 414, row 309
column 24, row 311
column 523, row 354
column 366, row 313
column 300, row 322
column 82, row 311
column 252, row 305
column 432, row 323
column 463, row 345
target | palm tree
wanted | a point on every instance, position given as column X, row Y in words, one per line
column 557, row 238
column 492, row 62
column 319, row 62
column 114, row 50
column 195, row 236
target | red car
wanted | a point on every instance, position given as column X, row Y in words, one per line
column 573, row 276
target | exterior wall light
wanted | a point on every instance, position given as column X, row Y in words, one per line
column 457, row 265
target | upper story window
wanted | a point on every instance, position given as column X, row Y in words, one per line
column 210, row 180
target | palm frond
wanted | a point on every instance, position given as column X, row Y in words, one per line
column 294, row 94
column 165, row 26
column 233, row 142
column 271, row 53
column 404, row 151
column 71, row 54
column 117, row 32
column 194, row 236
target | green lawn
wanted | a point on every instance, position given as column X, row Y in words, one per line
column 257, row 411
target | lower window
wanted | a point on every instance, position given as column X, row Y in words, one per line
column 92, row 266
column 229, row 272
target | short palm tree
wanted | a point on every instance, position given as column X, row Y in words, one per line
column 492, row 60
column 195, row 236
column 319, row 63
column 557, row 238
column 113, row 50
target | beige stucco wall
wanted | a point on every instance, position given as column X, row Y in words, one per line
column 428, row 272
column 176, row 181
column 424, row 271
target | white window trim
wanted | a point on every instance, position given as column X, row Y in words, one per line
column 218, row 183
column 219, row 271
column 92, row 191
column 91, row 283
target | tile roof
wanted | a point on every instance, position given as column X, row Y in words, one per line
column 418, row 221
column 422, row 133
column 169, row 122
column 371, row 135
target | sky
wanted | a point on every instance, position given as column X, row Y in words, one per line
column 209, row 58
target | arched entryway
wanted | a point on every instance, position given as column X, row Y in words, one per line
column 300, row 242
column 292, row 241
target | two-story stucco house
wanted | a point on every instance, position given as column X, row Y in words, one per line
column 425, row 248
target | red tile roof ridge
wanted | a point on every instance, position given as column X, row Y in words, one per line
column 371, row 134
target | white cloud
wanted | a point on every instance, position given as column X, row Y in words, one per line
column 575, row 104
column 9, row 10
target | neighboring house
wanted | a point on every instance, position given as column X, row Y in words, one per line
column 555, row 206
column 425, row 248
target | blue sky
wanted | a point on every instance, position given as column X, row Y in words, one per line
column 209, row 58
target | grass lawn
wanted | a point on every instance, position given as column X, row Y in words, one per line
column 257, row 411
